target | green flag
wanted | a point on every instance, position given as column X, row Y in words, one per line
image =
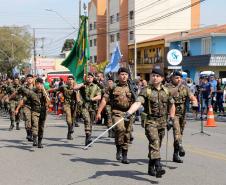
column 77, row 59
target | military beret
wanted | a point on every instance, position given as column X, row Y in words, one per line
column 158, row 71
column 91, row 74
column 177, row 73
column 110, row 78
column 123, row 69
column 29, row 75
column 39, row 80
column 70, row 76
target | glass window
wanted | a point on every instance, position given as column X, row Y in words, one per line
column 131, row 15
column 118, row 36
column 206, row 46
column 94, row 25
column 95, row 42
column 112, row 38
column 117, row 17
column 90, row 26
column 131, row 35
column 90, row 43
column 112, row 19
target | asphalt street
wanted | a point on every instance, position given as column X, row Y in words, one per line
column 63, row 162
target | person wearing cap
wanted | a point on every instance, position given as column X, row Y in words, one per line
column 26, row 106
column 120, row 97
column 157, row 101
column 181, row 93
column 70, row 100
column 90, row 96
column 13, row 102
column 38, row 127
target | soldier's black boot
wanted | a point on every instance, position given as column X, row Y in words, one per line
column 76, row 124
column 27, row 131
column 88, row 139
column 131, row 138
column 158, row 168
column 176, row 157
column 11, row 126
column 70, row 131
column 29, row 137
column 118, row 152
column 124, row 157
column 40, row 143
column 181, row 150
column 17, row 126
column 151, row 168
column 35, row 141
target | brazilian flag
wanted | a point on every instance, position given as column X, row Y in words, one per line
column 79, row 55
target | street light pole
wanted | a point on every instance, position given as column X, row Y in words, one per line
column 35, row 64
column 62, row 17
column 80, row 12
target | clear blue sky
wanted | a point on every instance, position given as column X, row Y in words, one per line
column 32, row 12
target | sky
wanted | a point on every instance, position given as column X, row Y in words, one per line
column 55, row 29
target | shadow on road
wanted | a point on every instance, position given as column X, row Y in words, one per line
column 135, row 175
column 95, row 161
column 20, row 145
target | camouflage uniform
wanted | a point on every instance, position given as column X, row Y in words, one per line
column 28, row 114
column 180, row 94
column 13, row 104
column 38, row 127
column 69, row 107
column 35, row 107
column 120, row 98
column 89, row 107
column 156, row 104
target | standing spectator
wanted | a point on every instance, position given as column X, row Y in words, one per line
column 46, row 85
column 213, row 83
column 220, row 96
column 206, row 94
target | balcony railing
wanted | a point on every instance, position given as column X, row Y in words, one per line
column 149, row 60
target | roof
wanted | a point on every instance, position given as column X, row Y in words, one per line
column 201, row 32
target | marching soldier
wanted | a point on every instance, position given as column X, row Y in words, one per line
column 27, row 107
column 121, row 98
column 156, row 100
column 90, row 94
column 180, row 93
column 38, row 127
column 69, row 105
column 13, row 103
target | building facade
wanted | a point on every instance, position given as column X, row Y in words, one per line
column 203, row 50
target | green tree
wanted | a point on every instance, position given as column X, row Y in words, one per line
column 15, row 47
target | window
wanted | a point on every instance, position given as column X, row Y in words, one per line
column 185, row 48
column 206, row 46
column 117, row 17
column 112, row 19
column 131, row 35
column 95, row 42
column 91, row 59
column 118, row 36
column 131, row 15
column 90, row 43
column 90, row 26
column 95, row 59
column 112, row 38
column 94, row 25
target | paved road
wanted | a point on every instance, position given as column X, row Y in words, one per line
column 64, row 162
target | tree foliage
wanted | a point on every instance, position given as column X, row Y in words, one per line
column 15, row 47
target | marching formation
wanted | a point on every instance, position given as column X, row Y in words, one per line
column 116, row 104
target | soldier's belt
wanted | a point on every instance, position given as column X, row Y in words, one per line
column 151, row 117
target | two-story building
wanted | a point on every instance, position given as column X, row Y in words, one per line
column 203, row 49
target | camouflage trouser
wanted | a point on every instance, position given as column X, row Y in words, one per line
column 178, row 128
column 88, row 117
column 27, row 117
column 13, row 117
column 122, row 129
column 155, row 136
column 108, row 116
column 38, row 123
column 70, row 112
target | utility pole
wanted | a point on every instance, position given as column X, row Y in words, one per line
column 107, row 29
column 80, row 12
column 34, row 49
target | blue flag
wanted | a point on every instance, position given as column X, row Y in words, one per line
column 113, row 66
